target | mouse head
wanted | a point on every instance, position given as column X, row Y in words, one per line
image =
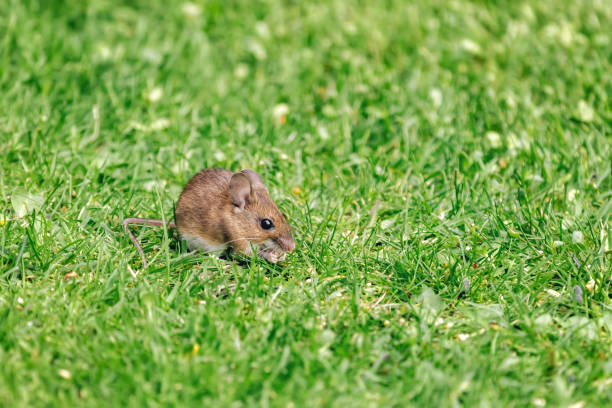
column 260, row 219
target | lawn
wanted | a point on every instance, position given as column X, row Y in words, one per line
column 445, row 165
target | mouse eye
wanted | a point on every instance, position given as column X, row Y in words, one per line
column 266, row 224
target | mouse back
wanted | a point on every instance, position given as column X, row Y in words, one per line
column 200, row 208
column 218, row 208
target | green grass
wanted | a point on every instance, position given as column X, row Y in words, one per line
column 446, row 166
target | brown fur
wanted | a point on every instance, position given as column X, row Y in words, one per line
column 209, row 208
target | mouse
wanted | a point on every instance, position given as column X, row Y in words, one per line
column 219, row 210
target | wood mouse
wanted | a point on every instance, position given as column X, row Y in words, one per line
column 219, row 209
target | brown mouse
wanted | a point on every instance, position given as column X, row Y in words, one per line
column 219, row 209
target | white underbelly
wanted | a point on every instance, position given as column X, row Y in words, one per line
column 195, row 242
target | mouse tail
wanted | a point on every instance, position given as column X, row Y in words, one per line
column 143, row 221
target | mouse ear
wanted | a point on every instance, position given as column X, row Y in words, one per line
column 255, row 179
column 239, row 189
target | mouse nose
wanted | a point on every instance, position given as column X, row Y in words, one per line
column 287, row 243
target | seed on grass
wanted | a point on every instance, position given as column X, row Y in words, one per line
column 241, row 71
column 494, row 139
column 553, row 293
column 191, row 10
column 160, row 124
column 436, row 97
column 70, row 275
column 585, row 112
column 470, row 46
column 155, row 94
column 280, row 113
column 590, row 285
column 323, row 132
column 494, row 326
column 462, row 336
column 64, row 373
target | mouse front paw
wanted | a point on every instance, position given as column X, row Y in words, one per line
column 272, row 256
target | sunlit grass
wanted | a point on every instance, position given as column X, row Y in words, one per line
column 445, row 165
